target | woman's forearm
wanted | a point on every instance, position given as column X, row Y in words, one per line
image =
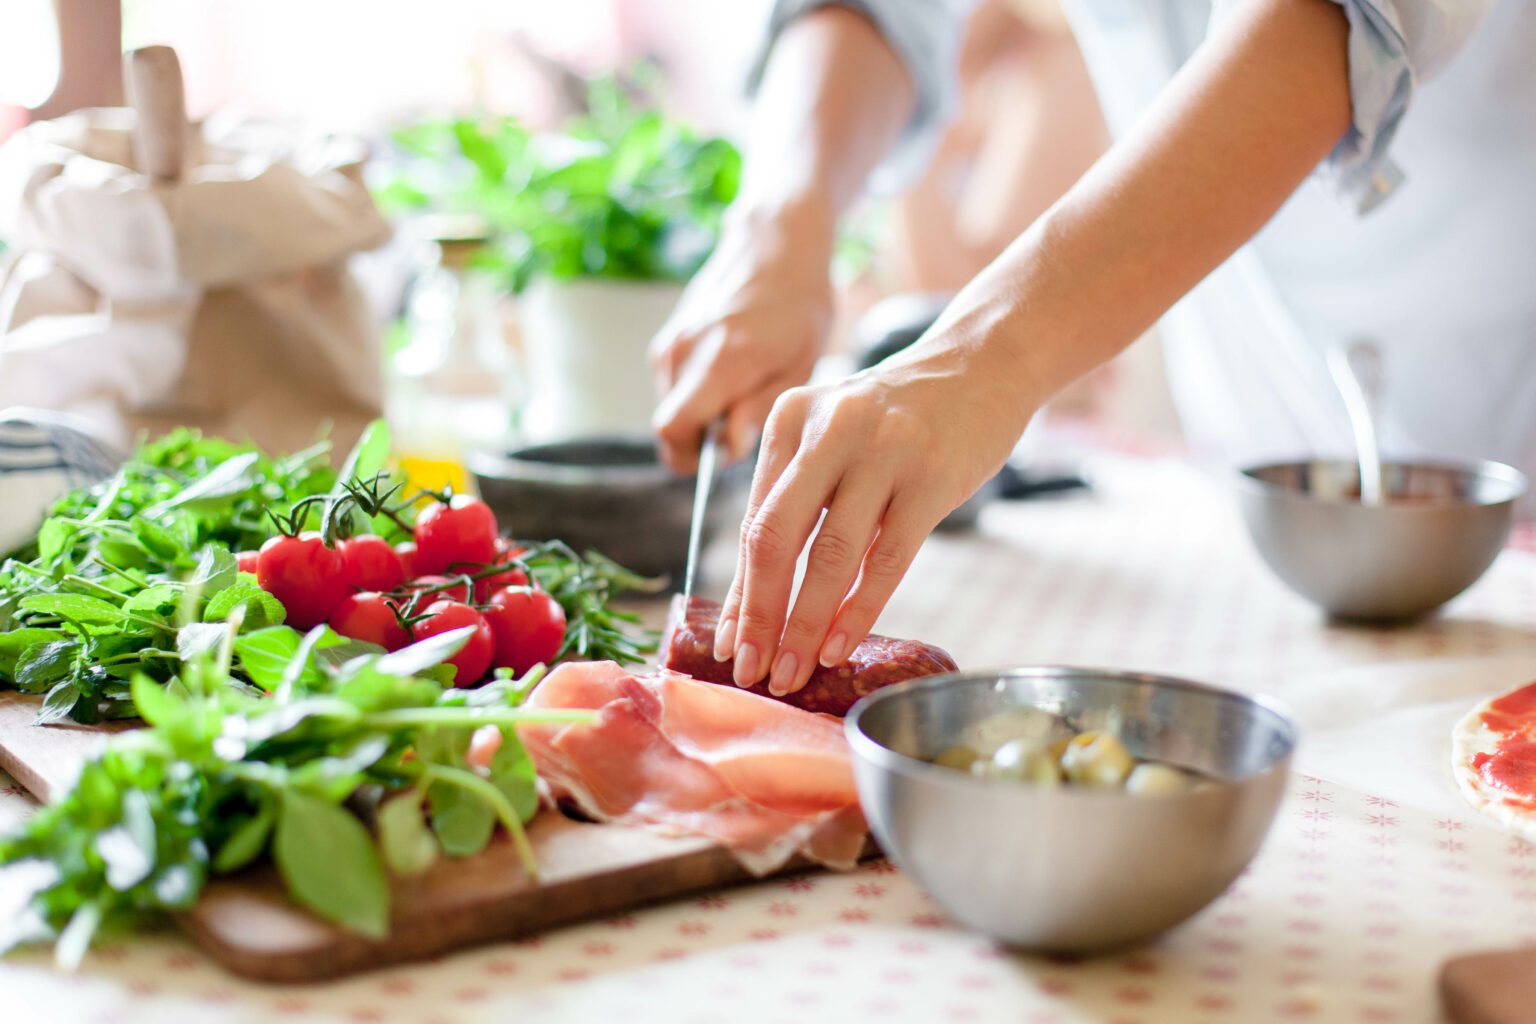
column 1239, row 128
column 833, row 99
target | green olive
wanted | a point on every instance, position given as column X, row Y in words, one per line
column 1151, row 777
column 1096, row 758
column 959, row 757
column 1022, row 761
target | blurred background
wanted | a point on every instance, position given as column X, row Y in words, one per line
column 555, row 172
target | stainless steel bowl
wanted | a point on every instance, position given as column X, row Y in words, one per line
column 608, row 493
column 1066, row 869
column 1441, row 527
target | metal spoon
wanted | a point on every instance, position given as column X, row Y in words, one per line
column 1356, row 370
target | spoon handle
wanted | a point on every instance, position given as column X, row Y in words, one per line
column 1356, row 370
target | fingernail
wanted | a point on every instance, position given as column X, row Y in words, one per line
column 746, row 665
column 832, row 650
column 725, row 640
column 783, row 673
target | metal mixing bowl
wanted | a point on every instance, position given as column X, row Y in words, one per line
column 608, row 493
column 1440, row 528
column 1062, row 868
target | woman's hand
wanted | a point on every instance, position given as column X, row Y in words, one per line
column 887, row 453
column 750, row 326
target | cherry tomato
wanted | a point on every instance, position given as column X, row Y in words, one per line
column 406, row 552
column 246, row 561
column 304, row 575
column 474, row 658
column 369, row 563
column 461, row 533
column 510, row 577
column 439, row 588
column 529, row 626
column 370, row 616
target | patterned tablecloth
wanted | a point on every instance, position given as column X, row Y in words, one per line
column 1369, row 880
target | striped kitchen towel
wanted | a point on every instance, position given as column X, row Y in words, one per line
column 42, row 455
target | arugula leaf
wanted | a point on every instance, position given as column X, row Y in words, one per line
column 330, row 865
column 216, row 570
column 230, row 477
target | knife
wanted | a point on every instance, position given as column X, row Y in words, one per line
column 709, row 456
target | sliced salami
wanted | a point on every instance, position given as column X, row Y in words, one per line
column 879, row 661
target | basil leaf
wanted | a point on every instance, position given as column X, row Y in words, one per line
column 160, row 599
column 12, row 644
column 61, row 700
column 463, row 822
column 328, row 860
column 78, row 607
column 513, row 772
column 261, row 608
column 41, row 664
column 158, row 703
column 267, row 655
column 408, row 844
column 247, row 842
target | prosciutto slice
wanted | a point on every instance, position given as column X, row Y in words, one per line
column 765, row 779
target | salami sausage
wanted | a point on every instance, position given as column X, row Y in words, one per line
column 879, row 661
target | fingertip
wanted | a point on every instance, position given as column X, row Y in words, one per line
column 747, row 670
column 725, row 640
column 834, row 650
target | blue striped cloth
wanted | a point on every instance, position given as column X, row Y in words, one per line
column 43, row 455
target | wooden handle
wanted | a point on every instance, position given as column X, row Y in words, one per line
column 153, row 79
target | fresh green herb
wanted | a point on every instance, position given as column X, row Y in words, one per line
column 222, row 776
column 624, row 193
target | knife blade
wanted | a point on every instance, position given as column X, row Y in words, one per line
column 709, row 456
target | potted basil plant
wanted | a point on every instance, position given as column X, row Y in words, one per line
column 595, row 228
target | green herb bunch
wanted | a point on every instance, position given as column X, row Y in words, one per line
column 136, row 576
column 623, row 193
column 345, row 764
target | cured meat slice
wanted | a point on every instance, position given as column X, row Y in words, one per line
column 765, row 779
column 878, row 661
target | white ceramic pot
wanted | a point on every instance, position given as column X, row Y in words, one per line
column 584, row 344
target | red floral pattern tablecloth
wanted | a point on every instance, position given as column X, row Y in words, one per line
column 1345, row 916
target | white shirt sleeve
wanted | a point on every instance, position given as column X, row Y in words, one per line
column 925, row 35
column 1394, row 45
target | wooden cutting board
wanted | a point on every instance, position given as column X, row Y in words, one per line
column 46, row 759
column 247, row 923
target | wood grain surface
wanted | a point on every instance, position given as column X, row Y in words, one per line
column 46, row 759
column 248, row 924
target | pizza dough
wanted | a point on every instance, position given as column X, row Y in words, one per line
column 1493, row 757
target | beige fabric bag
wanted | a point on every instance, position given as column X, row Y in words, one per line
column 221, row 300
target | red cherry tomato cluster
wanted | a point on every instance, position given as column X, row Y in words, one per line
column 458, row 572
